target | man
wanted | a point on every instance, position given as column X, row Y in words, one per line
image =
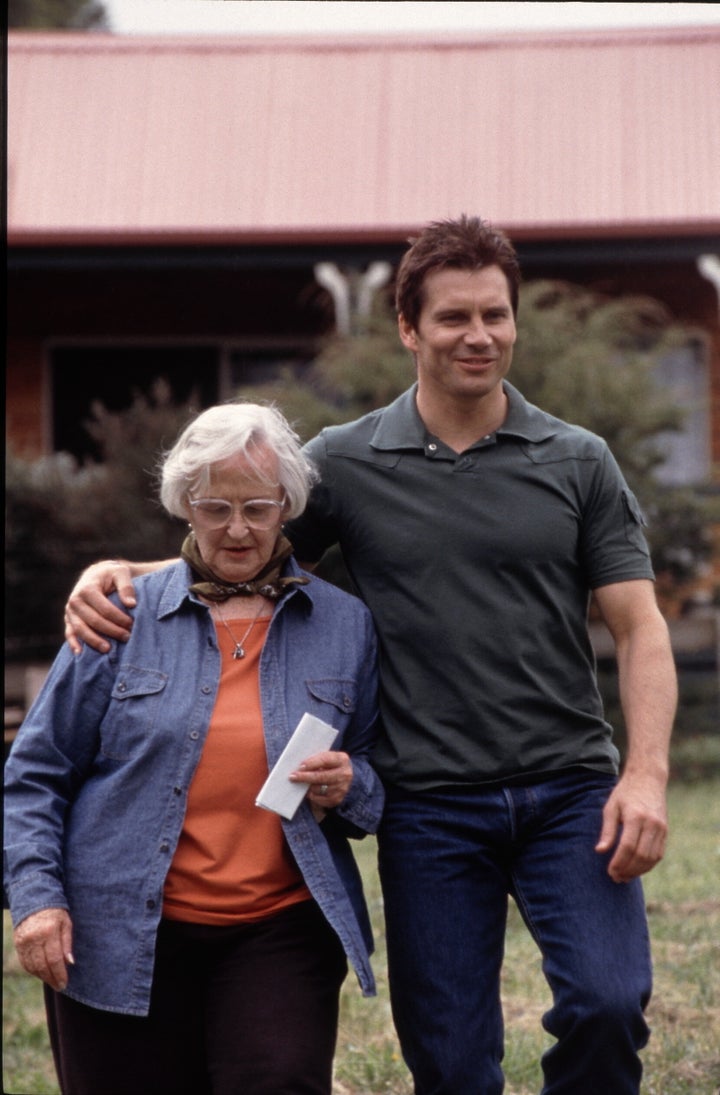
column 476, row 527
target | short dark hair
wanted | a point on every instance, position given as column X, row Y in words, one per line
column 467, row 243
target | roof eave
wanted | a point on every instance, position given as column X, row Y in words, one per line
column 289, row 235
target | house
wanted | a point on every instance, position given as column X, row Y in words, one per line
column 171, row 200
column 178, row 207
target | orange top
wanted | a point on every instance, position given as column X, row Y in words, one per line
column 232, row 862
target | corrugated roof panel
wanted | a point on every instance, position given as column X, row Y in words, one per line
column 577, row 133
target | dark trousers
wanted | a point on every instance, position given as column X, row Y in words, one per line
column 246, row 1010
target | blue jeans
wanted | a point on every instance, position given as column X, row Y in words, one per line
column 448, row 860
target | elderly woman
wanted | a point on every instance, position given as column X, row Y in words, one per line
column 189, row 940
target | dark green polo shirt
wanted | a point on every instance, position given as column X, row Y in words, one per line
column 477, row 569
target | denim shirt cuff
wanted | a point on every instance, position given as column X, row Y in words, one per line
column 364, row 802
column 31, row 895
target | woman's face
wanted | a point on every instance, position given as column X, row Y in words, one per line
column 236, row 552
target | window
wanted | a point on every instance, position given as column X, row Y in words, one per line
column 684, row 374
column 263, row 363
column 112, row 374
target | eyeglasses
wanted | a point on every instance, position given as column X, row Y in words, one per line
column 257, row 513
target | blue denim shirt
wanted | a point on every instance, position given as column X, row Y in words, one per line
column 97, row 780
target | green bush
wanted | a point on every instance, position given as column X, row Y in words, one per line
column 61, row 516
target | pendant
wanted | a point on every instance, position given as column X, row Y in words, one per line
column 238, row 652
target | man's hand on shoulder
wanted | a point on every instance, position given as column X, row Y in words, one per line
column 90, row 617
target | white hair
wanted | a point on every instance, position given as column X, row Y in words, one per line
column 228, row 430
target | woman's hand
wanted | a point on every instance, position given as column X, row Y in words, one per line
column 329, row 775
column 43, row 942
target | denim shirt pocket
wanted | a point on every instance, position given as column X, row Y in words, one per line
column 333, row 699
column 135, row 702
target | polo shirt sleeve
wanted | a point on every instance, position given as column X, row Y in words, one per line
column 614, row 546
column 315, row 530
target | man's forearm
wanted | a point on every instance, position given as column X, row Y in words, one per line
column 138, row 569
column 648, row 697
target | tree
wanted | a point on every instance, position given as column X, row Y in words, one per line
column 57, row 14
column 351, row 375
column 591, row 360
column 61, row 516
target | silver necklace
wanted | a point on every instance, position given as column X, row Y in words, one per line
column 239, row 651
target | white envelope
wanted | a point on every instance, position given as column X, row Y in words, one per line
column 311, row 735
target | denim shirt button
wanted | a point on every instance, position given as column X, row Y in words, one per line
column 122, row 687
column 150, row 904
column 177, row 790
column 347, row 702
column 205, row 690
column 165, row 847
column 194, row 735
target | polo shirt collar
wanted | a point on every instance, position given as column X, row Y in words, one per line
column 401, row 427
column 525, row 419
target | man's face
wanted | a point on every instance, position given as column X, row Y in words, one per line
column 464, row 338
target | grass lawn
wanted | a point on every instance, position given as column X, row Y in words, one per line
column 683, row 1057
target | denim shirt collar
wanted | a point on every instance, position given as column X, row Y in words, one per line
column 177, row 591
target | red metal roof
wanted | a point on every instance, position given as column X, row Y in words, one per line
column 126, row 139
